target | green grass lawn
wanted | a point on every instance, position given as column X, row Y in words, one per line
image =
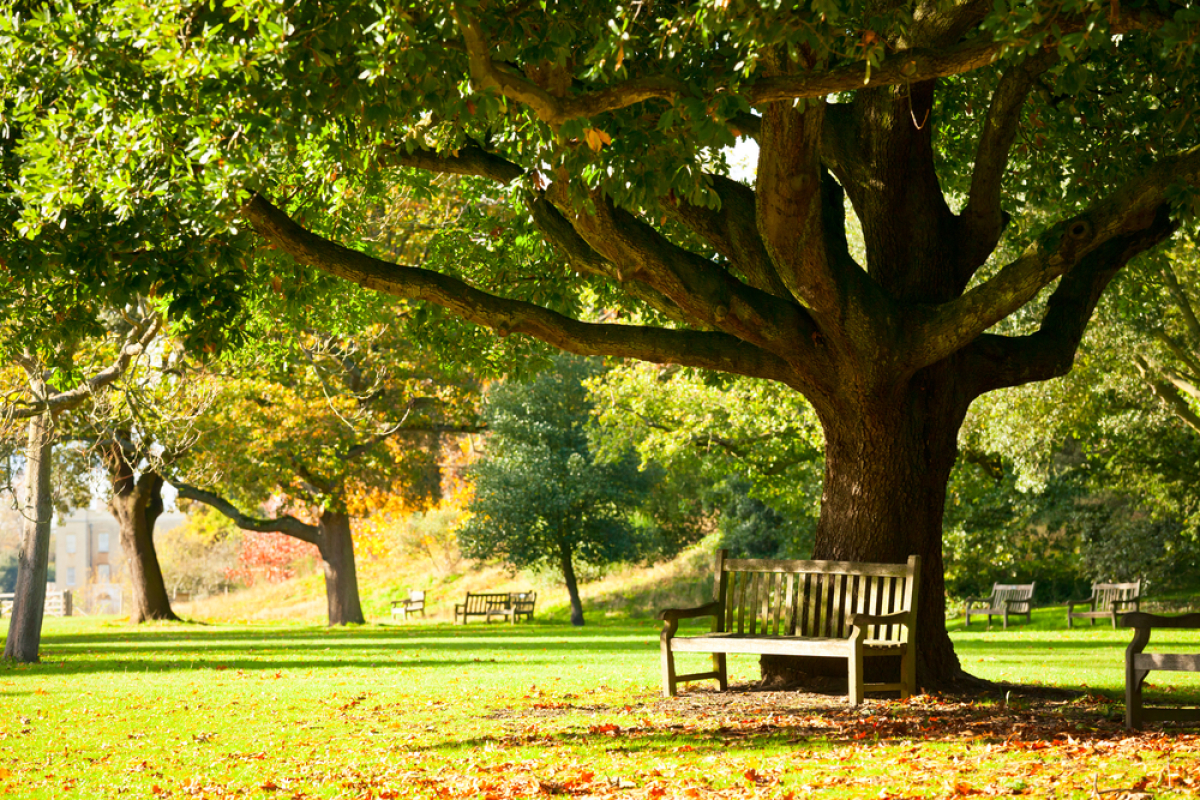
column 496, row 711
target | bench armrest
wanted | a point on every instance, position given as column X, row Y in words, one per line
column 898, row 618
column 675, row 614
column 1087, row 601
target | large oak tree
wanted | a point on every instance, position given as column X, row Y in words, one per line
column 949, row 126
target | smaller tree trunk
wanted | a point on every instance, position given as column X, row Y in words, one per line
column 341, row 579
column 568, row 571
column 29, row 599
column 137, row 505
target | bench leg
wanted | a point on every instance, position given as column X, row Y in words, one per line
column 1005, row 620
column 855, row 677
column 1133, row 695
column 719, row 668
column 668, row 670
column 908, row 672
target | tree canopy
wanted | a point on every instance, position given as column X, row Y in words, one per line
column 998, row 156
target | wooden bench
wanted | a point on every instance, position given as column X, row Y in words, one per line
column 512, row 605
column 409, row 605
column 1006, row 598
column 522, row 605
column 835, row 609
column 1108, row 601
column 1138, row 664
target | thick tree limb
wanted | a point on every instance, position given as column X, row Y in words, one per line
column 708, row 294
column 710, row 350
column 470, row 160
column 1132, row 209
column 983, row 216
column 732, row 230
column 554, row 111
column 136, row 343
column 1002, row 361
column 286, row 524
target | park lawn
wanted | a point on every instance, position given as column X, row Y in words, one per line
column 497, row 711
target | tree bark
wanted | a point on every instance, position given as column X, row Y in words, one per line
column 341, row 580
column 568, row 571
column 137, row 504
column 887, row 463
column 25, row 626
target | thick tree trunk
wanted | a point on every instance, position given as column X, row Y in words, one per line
column 137, row 505
column 25, row 626
column 568, row 571
column 886, row 470
column 341, row 579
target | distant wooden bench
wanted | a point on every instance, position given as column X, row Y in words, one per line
column 1138, row 664
column 803, row 608
column 511, row 605
column 1108, row 601
column 409, row 605
column 1006, row 598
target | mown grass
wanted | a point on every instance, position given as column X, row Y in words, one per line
column 496, row 711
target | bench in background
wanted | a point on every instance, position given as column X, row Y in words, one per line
column 512, row 605
column 1006, row 598
column 1138, row 664
column 837, row 609
column 1108, row 601
column 410, row 605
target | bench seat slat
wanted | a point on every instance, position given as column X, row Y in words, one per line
column 1171, row 662
column 773, row 645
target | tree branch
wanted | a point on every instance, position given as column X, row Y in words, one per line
column 1184, row 302
column 1168, row 393
column 554, row 111
column 471, row 160
column 983, row 216
column 711, row 350
column 136, row 342
column 1123, row 216
column 286, row 524
column 1002, row 361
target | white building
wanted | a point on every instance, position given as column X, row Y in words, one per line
column 90, row 563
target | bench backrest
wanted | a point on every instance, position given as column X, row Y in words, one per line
column 1105, row 593
column 776, row 597
column 416, row 595
column 480, row 603
column 1021, row 595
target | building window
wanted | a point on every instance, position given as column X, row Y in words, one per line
column 104, row 572
column 70, row 543
column 70, row 576
column 102, row 543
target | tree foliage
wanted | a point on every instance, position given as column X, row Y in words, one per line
column 542, row 498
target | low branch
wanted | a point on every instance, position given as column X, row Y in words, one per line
column 286, row 524
column 710, row 350
column 1184, row 302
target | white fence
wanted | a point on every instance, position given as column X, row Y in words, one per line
column 58, row 604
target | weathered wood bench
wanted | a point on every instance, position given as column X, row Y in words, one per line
column 512, row 605
column 409, row 605
column 522, row 605
column 835, row 609
column 1138, row 664
column 1108, row 601
column 1006, row 598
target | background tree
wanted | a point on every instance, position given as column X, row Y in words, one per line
column 945, row 123
column 48, row 396
column 541, row 497
column 332, row 417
